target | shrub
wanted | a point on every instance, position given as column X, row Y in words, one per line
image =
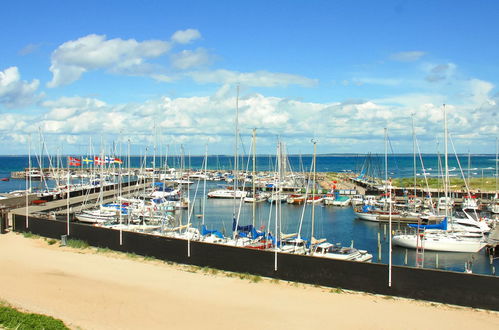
column 77, row 244
column 11, row 318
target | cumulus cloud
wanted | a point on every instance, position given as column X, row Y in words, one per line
column 186, row 36
column 188, row 59
column 410, row 56
column 252, row 79
column 14, row 92
column 73, row 58
column 348, row 126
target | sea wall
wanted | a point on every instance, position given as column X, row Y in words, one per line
column 479, row 291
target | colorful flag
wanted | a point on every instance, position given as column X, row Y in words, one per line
column 98, row 161
column 118, row 161
column 74, row 161
column 86, row 160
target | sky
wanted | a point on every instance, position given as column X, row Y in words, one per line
column 84, row 75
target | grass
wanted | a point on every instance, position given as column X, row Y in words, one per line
column 10, row 318
column 104, row 250
column 77, row 244
column 29, row 234
column 457, row 184
column 336, row 290
column 51, row 241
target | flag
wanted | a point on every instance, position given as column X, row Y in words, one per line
column 74, row 161
column 118, row 161
column 98, row 161
column 86, row 160
column 109, row 160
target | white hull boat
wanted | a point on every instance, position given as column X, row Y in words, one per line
column 227, row 193
column 444, row 241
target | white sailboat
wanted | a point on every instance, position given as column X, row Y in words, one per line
column 443, row 240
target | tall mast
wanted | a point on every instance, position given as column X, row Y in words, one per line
column 236, row 133
column 28, row 181
column 497, row 165
column 386, row 167
column 313, row 195
column 254, row 176
column 414, row 159
column 446, row 164
column 389, row 195
column 204, row 181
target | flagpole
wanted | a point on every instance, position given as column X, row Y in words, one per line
column 67, row 200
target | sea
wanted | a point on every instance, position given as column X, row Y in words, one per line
column 337, row 225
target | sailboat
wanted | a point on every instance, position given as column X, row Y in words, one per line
column 232, row 192
column 443, row 239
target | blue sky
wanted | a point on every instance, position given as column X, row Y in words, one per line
column 337, row 71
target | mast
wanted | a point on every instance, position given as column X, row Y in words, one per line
column 236, row 133
column 446, row 164
column 414, row 159
column 204, row 181
column 386, row 166
column 497, row 165
column 313, row 195
column 67, row 200
column 254, row 176
column 389, row 195
column 28, row 181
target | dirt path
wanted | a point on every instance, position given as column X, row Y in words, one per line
column 103, row 291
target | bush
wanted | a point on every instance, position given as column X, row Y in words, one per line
column 10, row 318
column 77, row 244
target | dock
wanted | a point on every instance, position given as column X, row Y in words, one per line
column 83, row 201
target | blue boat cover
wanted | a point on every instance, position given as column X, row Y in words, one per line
column 205, row 231
column 367, row 208
column 442, row 225
column 247, row 228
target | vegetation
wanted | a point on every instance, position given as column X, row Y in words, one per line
column 11, row 318
column 336, row 290
column 77, row 244
column 51, row 241
column 457, row 184
column 29, row 234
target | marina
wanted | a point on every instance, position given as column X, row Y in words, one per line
column 339, row 225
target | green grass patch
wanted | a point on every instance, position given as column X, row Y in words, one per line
column 51, row 241
column 104, row 250
column 457, row 184
column 29, row 234
column 77, row 244
column 255, row 278
column 11, row 318
column 336, row 290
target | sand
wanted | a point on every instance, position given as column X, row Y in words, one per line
column 90, row 290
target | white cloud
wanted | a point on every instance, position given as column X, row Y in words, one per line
column 14, row 92
column 73, row 58
column 186, row 36
column 410, row 56
column 252, row 79
column 354, row 125
column 188, row 59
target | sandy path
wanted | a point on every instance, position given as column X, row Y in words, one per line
column 97, row 291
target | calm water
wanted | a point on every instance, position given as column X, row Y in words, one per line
column 338, row 225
